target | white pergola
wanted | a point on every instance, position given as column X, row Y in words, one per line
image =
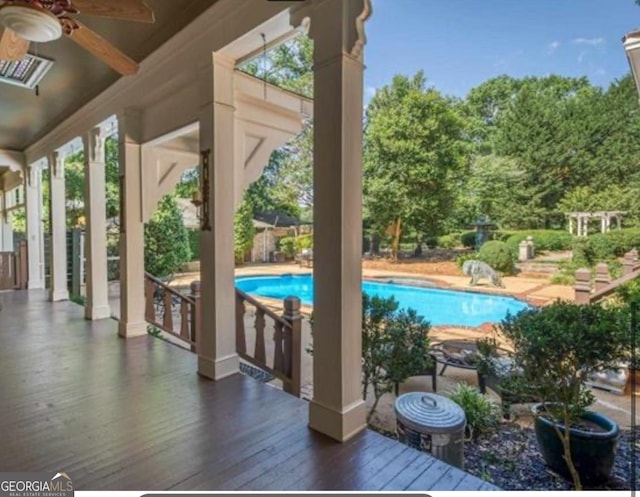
column 582, row 221
column 189, row 106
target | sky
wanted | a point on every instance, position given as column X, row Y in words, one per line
column 461, row 43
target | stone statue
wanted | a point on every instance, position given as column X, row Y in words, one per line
column 479, row 269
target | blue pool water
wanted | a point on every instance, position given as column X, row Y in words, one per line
column 436, row 305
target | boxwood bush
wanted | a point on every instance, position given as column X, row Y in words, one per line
column 498, row 256
column 546, row 240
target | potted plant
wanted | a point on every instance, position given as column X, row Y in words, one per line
column 556, row 349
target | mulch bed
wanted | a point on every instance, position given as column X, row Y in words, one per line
column 509, row 458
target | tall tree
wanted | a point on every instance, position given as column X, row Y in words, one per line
column 414, row 156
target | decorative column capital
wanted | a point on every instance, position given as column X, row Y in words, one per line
column 94, row 144
column 337, row 26
column 56, row 163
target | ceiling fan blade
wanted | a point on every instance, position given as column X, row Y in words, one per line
column 127, row 10
column 101, row 48
column 12, row 46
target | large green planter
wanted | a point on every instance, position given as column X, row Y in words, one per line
column 593, row 453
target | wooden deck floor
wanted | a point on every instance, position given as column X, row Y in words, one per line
column 134, row 415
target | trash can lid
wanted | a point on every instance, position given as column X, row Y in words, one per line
column 429, row 412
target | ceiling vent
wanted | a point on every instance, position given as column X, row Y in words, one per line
column 26, row 73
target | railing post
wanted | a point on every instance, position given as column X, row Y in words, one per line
column 195, row 316
column 629, row 262
column 603, row 278
column 582, row 286
column 23, row 266
column 294, row 340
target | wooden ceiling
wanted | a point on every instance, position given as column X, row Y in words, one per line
column 77, row 77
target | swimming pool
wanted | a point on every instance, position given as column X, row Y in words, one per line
column 436, row 305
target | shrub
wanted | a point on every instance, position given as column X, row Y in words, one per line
column 545, row 240
column 432, row 242
column 498, row 256
column 556, row 349
column 243, row 231
column 481, row 413
column 600, row 247
column 449, row 241
column 287, row 245
column 303, row 242
column 468, row 239
column 194, row 244
column 166, row 242
column 395, row 345
column 462, row 258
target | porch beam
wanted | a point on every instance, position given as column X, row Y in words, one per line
column 57, row 216
column 217, row 357
column 97, row 289
column 132, row 319
column 337, row 408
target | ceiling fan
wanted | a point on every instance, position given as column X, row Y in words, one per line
column 47, row 20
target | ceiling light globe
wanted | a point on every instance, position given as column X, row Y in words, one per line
column 32, row 24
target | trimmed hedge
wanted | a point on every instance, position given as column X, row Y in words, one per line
column 498, row 256
column 546, row 240
column 601, row 247
column 449, row 241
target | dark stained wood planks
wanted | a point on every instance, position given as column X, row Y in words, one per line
column 133, row 414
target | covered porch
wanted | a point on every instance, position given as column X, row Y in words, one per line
column 131, row 414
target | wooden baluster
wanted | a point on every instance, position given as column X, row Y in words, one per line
column 184, row 319
column 241, row 340
column 278, row 357
column 260, row 353
column 195, row 315
column 149, row 308
column 167, row 319
column 293, row 347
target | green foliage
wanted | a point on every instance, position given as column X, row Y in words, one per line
column 243, row 231
column 449, row 241
column 602, row 247
column 166, row 241
column 556, row 349
column 462, row 258
column 303, row 242
column 287, row 244
column 194, row 244
column 498, row 256
column 468, row 239
column 395, row 345
column 481, row 413
column 75, row 184
column 543, row 240
column 414, row 155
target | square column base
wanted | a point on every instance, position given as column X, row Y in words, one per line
column 340, row 426
column 129, row 330
column 97, row 312
column 218, row 368
column 59, row 296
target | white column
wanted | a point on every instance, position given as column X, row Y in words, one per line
column 570, row 225
column 35, row 233
column 97, row 289
column 217, row 356
column 337, row 408
column 58, row 222
column 132, row 321
column 6, row 228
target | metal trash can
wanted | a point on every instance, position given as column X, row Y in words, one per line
column 432, row 423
